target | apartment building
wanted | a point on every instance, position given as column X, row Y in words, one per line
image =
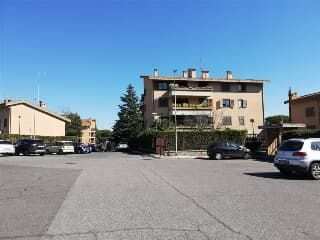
column 305, row 109
column 88, row 133
column 222, row 102
column 25, row 118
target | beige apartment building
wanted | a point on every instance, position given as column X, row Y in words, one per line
column 88, row 133
column 305, row 109
column 24, row 118
column 225, row 102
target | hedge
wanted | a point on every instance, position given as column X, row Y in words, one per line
column 187, row 140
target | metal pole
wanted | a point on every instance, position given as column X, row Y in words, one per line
column 175, row 112
column 19, row 126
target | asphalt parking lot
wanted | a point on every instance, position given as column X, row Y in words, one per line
column 120, row 196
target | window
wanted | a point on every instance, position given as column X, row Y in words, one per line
column 162, row 86
column 310, row 112
column 227, row 103
column 203, row 84
column 163, row 102
column 243, row 87
column 225, row 87
column 291, row 146
column 5, row 123
column 241, row 121
column 242, row 103
column 315, row 146
column 227, row 121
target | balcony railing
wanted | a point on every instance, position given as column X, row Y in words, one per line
column 192, row 88
column 192, row 106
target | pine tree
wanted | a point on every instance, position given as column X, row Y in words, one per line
column 130, row 122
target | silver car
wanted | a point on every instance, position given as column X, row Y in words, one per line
column 299, row 156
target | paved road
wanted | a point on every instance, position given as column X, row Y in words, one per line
column 119, row 196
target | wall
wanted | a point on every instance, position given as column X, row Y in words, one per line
column 254, row 110
column 299, row 112
column 34, row 122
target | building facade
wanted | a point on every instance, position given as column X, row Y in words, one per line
column 305, row 109
column 218, row 102
column 88, row 133
column 24, row 118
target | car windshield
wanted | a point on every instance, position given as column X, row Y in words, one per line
column 5, row 142
column 291, row 146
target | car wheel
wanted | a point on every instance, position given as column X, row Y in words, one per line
column 218, row 156
column 315, row 170
column 246, row 156
column 25, row 152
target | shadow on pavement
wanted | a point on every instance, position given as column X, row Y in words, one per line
column 275, row 175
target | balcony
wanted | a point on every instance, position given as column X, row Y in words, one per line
column 192, row 91
column 192, row 109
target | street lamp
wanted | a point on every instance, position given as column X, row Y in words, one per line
column 252, row 122
column 175, row 110
column 19, row 125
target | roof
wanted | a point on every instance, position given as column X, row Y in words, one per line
column 171, row 78
column 307, row 96
column 40, row 109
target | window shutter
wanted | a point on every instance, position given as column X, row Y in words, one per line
column 218, row 105
column 221, row 103
column 239, row 103
column 232, row 103
column 245, row 103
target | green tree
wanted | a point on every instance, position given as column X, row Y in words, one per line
column 103, row 134
column 74, row 127
column 130, row 120
column 277, row 119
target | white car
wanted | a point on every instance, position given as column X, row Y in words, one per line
column 61, row 147
column 6, row 148
column 299, row 156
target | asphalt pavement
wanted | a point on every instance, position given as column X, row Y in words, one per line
column 121, row 196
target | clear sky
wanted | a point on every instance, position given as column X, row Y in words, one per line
column 84, row 53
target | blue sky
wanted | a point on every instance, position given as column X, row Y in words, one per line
column 84, row 53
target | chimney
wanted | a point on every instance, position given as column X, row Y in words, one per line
column 229, row 75
column 204, row 74
column 42, row 104
column 192, row 73
column 156, row 72
column 184, row 74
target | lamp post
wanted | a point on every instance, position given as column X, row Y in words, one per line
column 252, row 122
column 175, row 111
column 19, row 125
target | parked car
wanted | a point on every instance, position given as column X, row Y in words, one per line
column 6, row 148
column 81, row 148
column 30, row 146
column 300, row 156
column 122, row 147
column 222, row 150
column 60, row 147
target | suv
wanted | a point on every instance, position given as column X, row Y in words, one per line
column 219, row 151
column 61, row 147
column 299, row 156
column 29, row 146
